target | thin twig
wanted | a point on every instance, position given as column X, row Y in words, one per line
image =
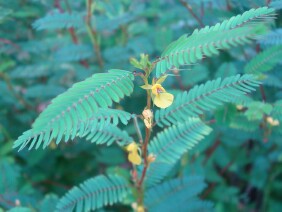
column 8, row 202
column 262, row 93
column 136, row 125
column 6, row 41
column 258, row 49
column 212, row 186
column 10, row 86
column 93, row 34
column 5, row 132
column 148, row 134
column 189, row 8
column 210, row 151
column 228, row 5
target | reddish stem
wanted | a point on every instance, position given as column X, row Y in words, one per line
column 212, row 186
column 5, row 41
column 262, row 93
column 189, row 8
column 210, row 151
column 71, row 32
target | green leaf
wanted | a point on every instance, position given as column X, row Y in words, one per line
column 264, row 61
column 9, row 176
column 256, row 110
column 56, row 20
column 20, row 209
column 95, row 128
column 69, row 112
column 48, row 203
column 94, row 193
column 206, row 97
column 177, row 194
column 169, row 145
column 237, row 30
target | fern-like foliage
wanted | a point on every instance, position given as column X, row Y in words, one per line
column 277, row 4
column 100, row 128
column 156, row 172
column 94, row 193
column 73, row 109
column 264, row 61
column 107, row 135
column 272, row 38
column 205, row 97
column 48, row 203
column 272, row 81
column 237, row 30
column 177, row 195
column 170, row 144
column 56, row 20
column 73, row 52
column 9, row 176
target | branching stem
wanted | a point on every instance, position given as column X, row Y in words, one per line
column 189, row 8
column 139, row 184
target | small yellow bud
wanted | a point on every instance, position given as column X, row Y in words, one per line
column 272, row 122
column 148, row 123
column 239, row 107
column 148, row 118
column 53, row 145
column 151, row 158
column 147, row 114
column 140, row 209
column 137, row 208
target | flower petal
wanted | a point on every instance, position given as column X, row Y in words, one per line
column 146, row 87
column 157, row 88
column 132, row 147
column 134, row 158
column 163, row 100
column 161, row 79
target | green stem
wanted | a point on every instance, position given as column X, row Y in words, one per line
column 93, row 35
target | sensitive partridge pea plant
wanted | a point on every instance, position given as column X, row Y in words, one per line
column 170, row 125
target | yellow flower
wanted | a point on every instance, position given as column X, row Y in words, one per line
column 160, row 97
column 133, row 155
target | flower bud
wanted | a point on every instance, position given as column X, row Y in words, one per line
column 140, row 209
column 151, row 158
column 272, row 122
column 147, row 114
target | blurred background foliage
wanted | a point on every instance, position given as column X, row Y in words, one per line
column 43, row 54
